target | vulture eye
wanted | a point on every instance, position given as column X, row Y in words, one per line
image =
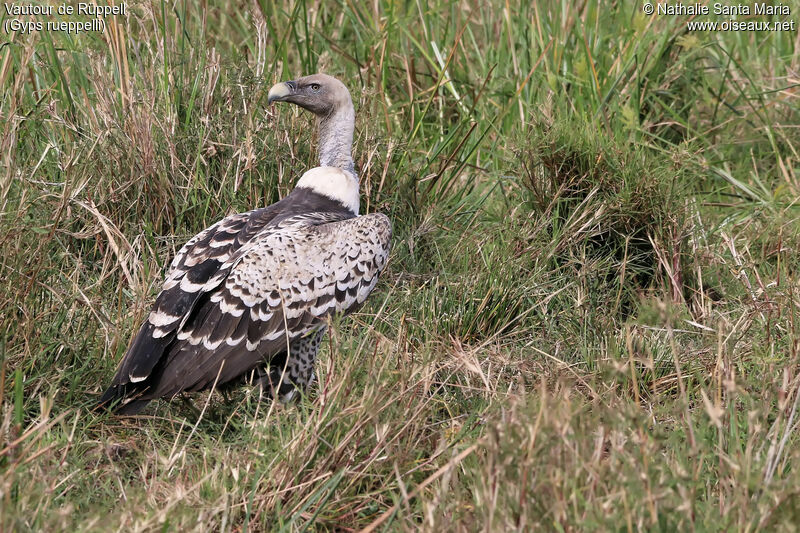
column 315, row 87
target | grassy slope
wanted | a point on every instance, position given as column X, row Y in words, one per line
column 589, row 316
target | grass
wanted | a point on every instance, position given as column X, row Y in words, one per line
column 588, row 320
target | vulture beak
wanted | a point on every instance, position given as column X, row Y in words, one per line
column 280, row 91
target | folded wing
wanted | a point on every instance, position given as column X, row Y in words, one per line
column 273, row 289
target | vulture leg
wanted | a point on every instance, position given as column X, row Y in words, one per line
column 298, row 372
column 303, row 353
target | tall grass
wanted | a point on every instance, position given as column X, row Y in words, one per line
column 588, row 321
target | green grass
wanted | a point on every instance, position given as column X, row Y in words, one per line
column 588, row 320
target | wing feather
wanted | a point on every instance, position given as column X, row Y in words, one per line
column 241, row 290
column 285, row 282
column 195, row 269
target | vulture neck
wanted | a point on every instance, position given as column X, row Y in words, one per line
column 336, row 139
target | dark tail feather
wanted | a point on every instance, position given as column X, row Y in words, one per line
column 115, row 397
column 110, row 398
column 133, row 407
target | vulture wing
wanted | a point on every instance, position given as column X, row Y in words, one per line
column 197, row 263
column 258, row 298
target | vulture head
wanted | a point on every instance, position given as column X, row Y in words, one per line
column 329, row 100
column 321, row 94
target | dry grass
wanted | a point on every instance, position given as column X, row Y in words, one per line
column 588, row 320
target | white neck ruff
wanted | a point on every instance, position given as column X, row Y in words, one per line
column 333, row 183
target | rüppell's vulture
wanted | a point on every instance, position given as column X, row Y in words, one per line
column 253, row 291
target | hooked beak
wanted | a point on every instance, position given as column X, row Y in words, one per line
column 281, row 91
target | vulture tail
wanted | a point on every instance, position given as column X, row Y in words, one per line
column 114, row 399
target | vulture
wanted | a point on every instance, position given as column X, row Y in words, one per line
column 250, row 295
